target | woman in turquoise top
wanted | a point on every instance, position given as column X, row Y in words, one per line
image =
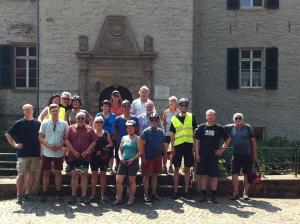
column 129, row 152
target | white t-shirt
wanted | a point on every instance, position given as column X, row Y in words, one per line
column 54, row 134
column 138, row 107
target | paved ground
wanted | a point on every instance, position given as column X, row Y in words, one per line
column 259, row 210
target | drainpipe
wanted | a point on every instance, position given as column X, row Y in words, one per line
column 37, row 44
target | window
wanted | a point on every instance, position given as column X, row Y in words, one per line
column 247, row 4
column 259, row 133
column 251, row 68
column 25, row 67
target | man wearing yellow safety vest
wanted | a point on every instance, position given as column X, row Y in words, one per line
column 181, row 134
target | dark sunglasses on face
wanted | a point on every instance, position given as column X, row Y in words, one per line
column 154, row 120
column 66, row 98
column 80, row 118
column 126, row 106
column 238, row 118
column 183, row 105
column 98, row 122
column 116, row 95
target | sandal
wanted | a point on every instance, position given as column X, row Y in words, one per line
column 147, row 198
column 117, row 202
column 130, row 202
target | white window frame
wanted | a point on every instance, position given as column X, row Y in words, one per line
column 251, row 60
column 251, row 5
column 27, row 58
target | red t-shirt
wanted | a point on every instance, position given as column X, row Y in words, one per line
column 81, row 138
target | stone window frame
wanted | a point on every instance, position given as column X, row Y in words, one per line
column 251, row 60
column 27, row 58
column 251, row 5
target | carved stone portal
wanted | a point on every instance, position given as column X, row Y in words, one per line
column 116, row 61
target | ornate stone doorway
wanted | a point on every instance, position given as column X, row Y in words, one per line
column 115, row 61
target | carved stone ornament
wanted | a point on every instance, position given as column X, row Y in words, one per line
column 148, row 43
column 83, row 43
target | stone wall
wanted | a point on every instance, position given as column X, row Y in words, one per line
column 17, row 24
column 277, row 110
column 168, row 22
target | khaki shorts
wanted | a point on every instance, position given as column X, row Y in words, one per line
column 27, row 164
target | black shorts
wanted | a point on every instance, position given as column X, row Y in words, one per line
column 128, row 170
column 167, row 139
column 96, row 163
column 241, row 161
column 208, row 167
column 184, row 150
column 77, row 163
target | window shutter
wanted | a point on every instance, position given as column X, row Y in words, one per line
column 233, row 68
column 271, row 68
column 6, row 57
column 233, row 4
column 272, row 4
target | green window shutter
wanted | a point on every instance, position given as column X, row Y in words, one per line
column 6, row 70
column 233, row 4
column 233, row 68
column 272, row 4
column 271, row 68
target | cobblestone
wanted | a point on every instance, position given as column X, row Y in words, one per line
column 258, row 210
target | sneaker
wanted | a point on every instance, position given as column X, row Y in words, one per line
column 28, row 197
column 214, row 199
column 104, row 198
column 44, row 198
column 19, row 199
column 235, row 196
column 147, row 199
column 203, row 198
column 187, row 195
column 93, row 198
column 130, row 202
column 175, row 195
column 245, row 196
column 117, row 202
column 85, row 200
column 156, row 197
column 72, row 200
column 171, row 169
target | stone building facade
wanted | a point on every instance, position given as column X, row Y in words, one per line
column 230, row 55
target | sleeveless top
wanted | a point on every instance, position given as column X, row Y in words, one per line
column 129, row 147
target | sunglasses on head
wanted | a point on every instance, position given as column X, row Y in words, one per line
column 80, row 118
column 238, row 118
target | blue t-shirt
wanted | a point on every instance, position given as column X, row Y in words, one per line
column 27, row 133
column 108, row 123
column 154, row 139
column 121, row 127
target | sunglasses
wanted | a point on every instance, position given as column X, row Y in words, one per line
column 126, row 106
column 66, row 98
column 183, row 105
column 238, row 118
column 154, row 120
column 80, row 118
column 54, row 127
column 98, row 122
column 116, row 95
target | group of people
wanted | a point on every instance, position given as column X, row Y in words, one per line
column 136, row 137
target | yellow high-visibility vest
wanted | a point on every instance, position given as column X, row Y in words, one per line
column 184, row 132
column 61, row 114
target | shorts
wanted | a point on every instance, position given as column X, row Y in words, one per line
column 241, row 161
column 167, row 139
column 77, row 163
column 184, row 150
column 96, row 163
column 152, row 167
column 27, row 164
column 58, row 163
column 208, row 167
column 128, row 170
